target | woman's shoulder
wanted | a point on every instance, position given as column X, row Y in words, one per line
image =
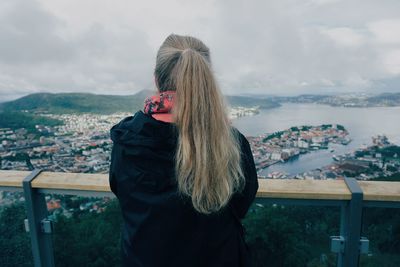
column 240, row 136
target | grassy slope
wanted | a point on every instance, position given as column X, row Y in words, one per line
column 75, row 103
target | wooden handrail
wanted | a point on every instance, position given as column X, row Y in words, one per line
column 12, row 178
column 268, row 188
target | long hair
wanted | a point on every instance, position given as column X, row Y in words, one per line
column 208, row 155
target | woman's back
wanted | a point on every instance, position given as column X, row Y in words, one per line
column 161, row 227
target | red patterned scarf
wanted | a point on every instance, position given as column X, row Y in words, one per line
column 159, row 106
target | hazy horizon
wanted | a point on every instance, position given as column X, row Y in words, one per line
column 237, row 94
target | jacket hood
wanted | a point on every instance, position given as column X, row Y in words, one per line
column 143, row 150
column 142, row 129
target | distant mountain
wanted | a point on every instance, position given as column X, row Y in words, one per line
column 304, row 98
column 389, row 99
column 66, row 103
column 76, row 103
column 247, row 101
column 347, row 100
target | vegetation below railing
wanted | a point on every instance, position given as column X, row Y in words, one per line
column 277, row 235
column 300, row 236
column 15, row 245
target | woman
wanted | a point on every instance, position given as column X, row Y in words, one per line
column 184, row 177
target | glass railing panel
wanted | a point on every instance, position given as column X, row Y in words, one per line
column 86, row 231
column 284, row 235
column 15, row 246
column 382, row 227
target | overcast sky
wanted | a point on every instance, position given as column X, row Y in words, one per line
column 283, row 47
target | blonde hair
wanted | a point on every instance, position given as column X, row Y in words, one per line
column 208, row 155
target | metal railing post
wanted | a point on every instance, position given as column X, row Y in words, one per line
column 340, row 239
column 351, row 221
column 36, row 208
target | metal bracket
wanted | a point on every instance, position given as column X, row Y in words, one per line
column 364, row 245
column 26, row 224
column 47, row 226
column 337, row 244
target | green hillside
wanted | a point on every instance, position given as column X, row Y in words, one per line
column 76, row 103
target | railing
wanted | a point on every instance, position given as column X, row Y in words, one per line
column 349, row 194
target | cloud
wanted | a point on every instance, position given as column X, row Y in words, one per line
column 324, row 2
column 344, row 36
column 274, row 47
column 28, row 35
column 386, row 31
column 281, row 47
column 36, row 54
column 392, row 62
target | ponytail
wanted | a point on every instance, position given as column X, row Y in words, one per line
column 208, row 157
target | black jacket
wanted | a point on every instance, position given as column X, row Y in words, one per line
column 161, row 228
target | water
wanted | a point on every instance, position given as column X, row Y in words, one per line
column 362, row 124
